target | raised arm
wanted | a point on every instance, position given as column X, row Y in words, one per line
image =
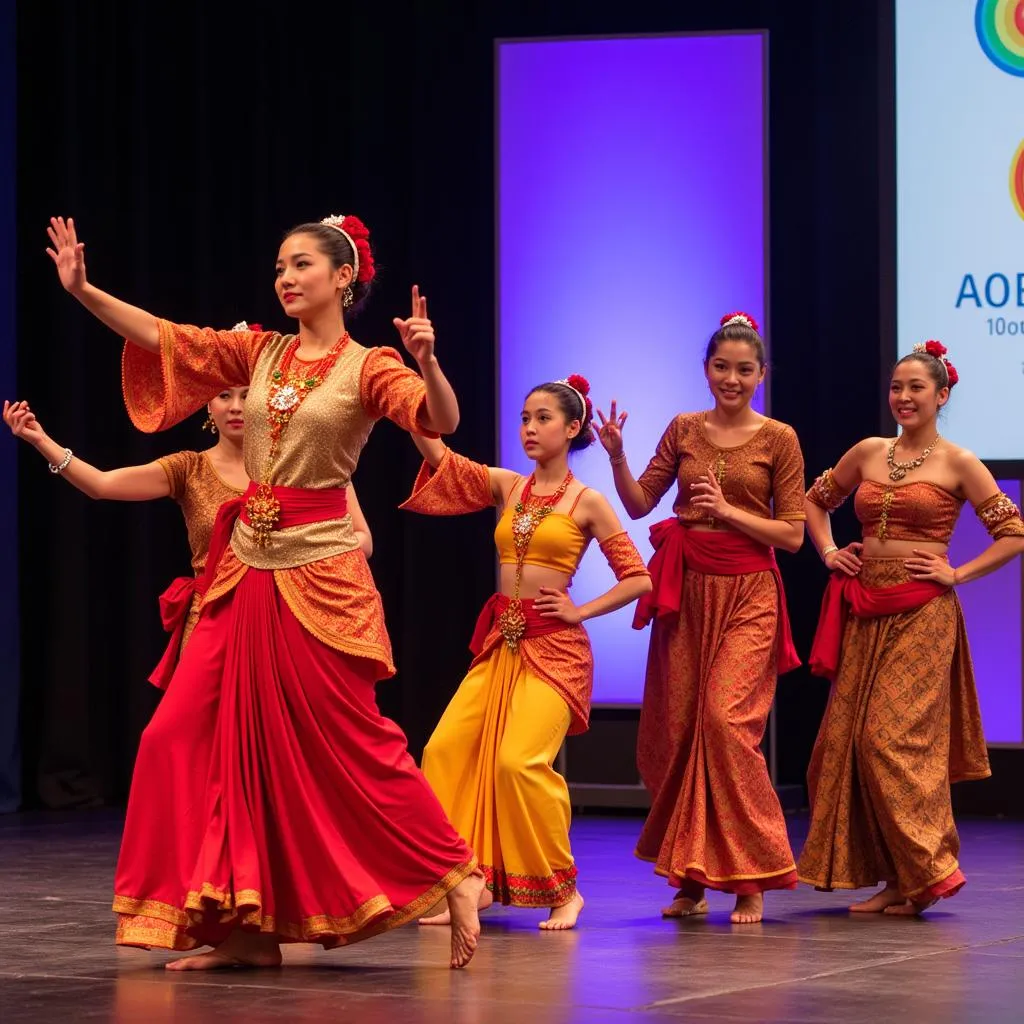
column 131, row 483
column 598, row 520
column 417, row 335
column 68, row 254
column 359, row 523
column 630, row 493
column 501, row 481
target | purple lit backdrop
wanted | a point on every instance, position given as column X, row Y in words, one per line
column 992, row 610
column 631, row 217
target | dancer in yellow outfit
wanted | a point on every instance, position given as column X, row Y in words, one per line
column 490, row 759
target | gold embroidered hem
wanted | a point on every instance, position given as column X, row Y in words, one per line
column 555, row 890
column 149, row 923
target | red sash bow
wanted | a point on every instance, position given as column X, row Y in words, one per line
column 846, row 595
column 718, row 553
column 299, row 505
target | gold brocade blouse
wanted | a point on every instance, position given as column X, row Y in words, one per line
column 318, row 567
column 920, row 510
column 763, row 476
column 200, row 490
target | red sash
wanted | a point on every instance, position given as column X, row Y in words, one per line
column 846, row 595
column 299, row 505
column 536, row 625
column 724, row 553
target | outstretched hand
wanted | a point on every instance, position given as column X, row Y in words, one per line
column 417, row 332
column 23, row 423
column 68, row 253
column 610, row 431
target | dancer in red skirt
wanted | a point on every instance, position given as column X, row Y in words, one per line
column 200, row 482
column 271, row 801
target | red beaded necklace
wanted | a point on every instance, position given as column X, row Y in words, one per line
column 289, row 388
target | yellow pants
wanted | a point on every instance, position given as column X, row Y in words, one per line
column 490, row 763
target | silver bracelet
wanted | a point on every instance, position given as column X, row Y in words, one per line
column 618, row 460
column 68, row 456
column 828, row 551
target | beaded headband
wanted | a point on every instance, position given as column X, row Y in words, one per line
column 739, row 318
column 335, row 221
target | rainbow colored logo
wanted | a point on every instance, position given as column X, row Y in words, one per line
column 1000, row 28
column 1017, row 179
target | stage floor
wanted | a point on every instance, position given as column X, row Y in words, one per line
column 808, row 961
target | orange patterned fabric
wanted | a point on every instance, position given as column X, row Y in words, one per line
column 458, row 485
column 198, row 488
column 764, row 476
column 826, row 493
column 193, row 364
column 318, row 567
column 715, row 819
column 623, row 557
column 902, row 722
column 335, row 599
column 1000, row 516
column 914, row 511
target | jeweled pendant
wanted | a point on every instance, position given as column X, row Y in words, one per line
column 898, row 473
column 285, row 398
column 512, row 625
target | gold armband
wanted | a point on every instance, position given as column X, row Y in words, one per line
column 622, row 556
column 1000, row 516
column 826, row 493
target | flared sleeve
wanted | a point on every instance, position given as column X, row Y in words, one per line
column 458, row 485
column 192, row 364
column 388, row 388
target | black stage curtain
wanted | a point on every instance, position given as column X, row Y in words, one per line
column 185, row 137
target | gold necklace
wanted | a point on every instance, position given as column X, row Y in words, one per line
column 530, row 512
column 898, row 470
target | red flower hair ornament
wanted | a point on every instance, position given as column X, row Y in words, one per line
column 744, row 319
column 358, row 236
column 579, row 384
column 937, row 350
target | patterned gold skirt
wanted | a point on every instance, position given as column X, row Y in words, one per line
column 902, row 723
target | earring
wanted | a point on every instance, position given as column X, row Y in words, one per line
column 210, row 425
column 348, row 298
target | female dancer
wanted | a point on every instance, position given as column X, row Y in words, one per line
column 490, row 758
column 271, row 801
column 720, row 632
column 200, row 482
column 902, row 720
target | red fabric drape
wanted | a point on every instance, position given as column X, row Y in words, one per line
column 718, row 553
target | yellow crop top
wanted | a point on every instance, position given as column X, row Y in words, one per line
column 557, row 543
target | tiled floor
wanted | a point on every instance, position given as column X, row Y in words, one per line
column 809, row 961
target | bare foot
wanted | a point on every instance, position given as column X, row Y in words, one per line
column 445, row 917
column 685, row 906
column 879, row 903
column 561, row 919
column 239, row 949
column 748, row 910
column 908, row 908
column 463, row 901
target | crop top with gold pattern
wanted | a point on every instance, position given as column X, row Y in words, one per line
column 919, row 510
